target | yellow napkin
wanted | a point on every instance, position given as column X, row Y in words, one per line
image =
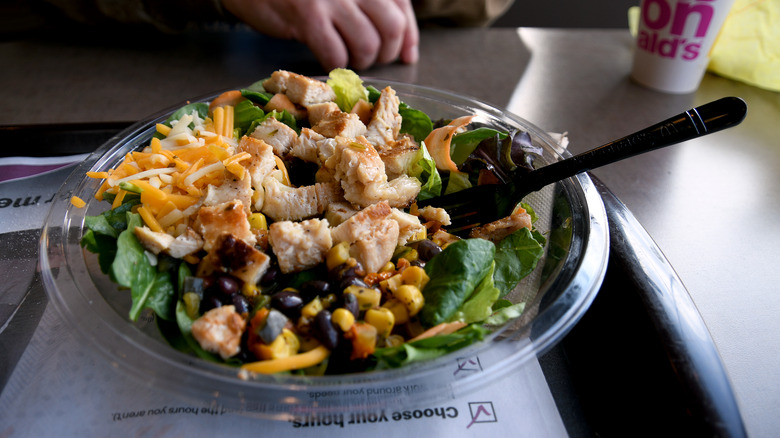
column 748, row 47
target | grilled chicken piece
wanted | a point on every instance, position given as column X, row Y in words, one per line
column 300, row 245
column 385, row 120
column 261, row 164
column 226, row 218
column 318, row 110
column 235, row 257
column 357, row 165
column 372, row 236
column 155, row 242
column 497, row 230
column 219, row 331
column 231, row 189
column 338, row 212
column 300, row 89
column 313, row 147
column 287, row 203
column 340, row 124
column 399, row 155
column 186, row 243
column 431, row 213
column 409, row 227
column 276, row 134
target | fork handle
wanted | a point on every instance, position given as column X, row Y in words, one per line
column 702, row 120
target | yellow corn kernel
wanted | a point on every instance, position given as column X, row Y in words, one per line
column 415, row 276
column 382, row 319
column 411, row 297
column 337, row 255
column 257, row 221
column 312, row 308
column 367, row 297
column 389, row 266
column 400, row 312
column 392, row 283
column 343, row 318
column 411, row 255
column 285, row 345
column 250, row 290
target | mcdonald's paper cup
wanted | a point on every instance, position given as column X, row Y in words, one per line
column 673, row 42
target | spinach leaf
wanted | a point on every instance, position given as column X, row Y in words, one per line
column 103, row 230
column 414, row 122
column 201, row 108
column 454, row 274
column 245, row 113
column 464, row 143
column 131, row 268
column 428, row 348
column 480, row 304
column 516, row 256
column 257, row 94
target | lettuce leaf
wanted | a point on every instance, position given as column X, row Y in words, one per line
column 428, row 348
column 348, row 87
column 425, row 171
column 516, row 256
column 457, row 182
column 480, row 304
column 454, row 275
column 464, row 143
column 245, row 113
column 414, row 122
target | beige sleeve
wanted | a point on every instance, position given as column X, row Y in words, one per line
column 469, row 13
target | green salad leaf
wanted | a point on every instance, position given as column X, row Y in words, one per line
column 464, row 143
column 516, row 256
column 131, row 268
column 429, row 348
column 454, row 274
column 256, row 93
column 425, row 171
column 348, row 87
column 245, row 113
column 414, row 122
column 480, row 304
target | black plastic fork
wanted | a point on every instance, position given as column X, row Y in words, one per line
column 483, row 204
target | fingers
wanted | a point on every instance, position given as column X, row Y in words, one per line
column 340, row 33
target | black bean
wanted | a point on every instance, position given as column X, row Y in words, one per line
column 270, row 276
column 418, row 262
column 241, row 303
column 350, row 302
column 324, row 330
column 426, row 249
column 351, row 281
column 314, row 288
column 228, row 285
column 288, row 301
column 209, row 302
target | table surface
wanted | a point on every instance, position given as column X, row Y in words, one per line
column 563, row 80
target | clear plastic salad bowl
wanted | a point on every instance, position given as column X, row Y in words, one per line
column 557, row 293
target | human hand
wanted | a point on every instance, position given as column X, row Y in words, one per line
column 340, row 33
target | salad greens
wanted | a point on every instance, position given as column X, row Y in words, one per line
column 467, row 279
